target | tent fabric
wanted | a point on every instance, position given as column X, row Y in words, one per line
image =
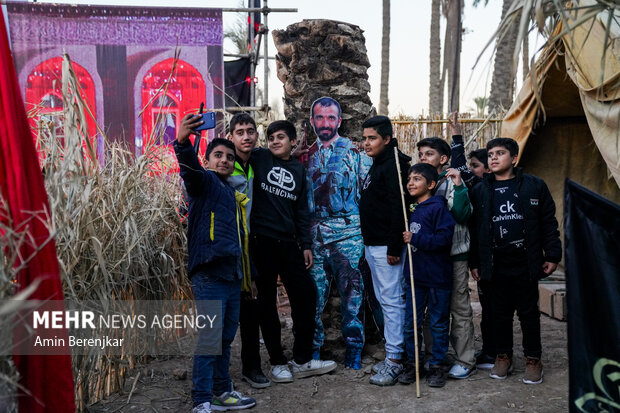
column 600, row 97
column 523, row 115
column 581, row 52
column 46, row 381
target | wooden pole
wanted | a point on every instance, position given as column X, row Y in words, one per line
column 415, row 316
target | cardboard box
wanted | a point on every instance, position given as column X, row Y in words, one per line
column 559, row 305
column 552, row 299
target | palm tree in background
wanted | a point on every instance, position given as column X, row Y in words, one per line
column 435, row 92
column 524, row 16
column 449, row 73
column 238, row 33
column 385, row 60
column 453, row 11
column 481, row 104
column 503, row 78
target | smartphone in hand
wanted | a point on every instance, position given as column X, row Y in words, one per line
column 209, row 121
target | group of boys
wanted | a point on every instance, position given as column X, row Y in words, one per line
column 258, row 214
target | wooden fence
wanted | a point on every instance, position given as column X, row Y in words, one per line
column 476, row 132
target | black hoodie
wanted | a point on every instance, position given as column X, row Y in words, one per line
column 381, row 210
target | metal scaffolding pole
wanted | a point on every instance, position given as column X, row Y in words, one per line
column 265, row 61
column 252, row 63
column 253, row 54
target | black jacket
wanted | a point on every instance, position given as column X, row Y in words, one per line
column 381, row 210
column 280, row 204
column 542, row 238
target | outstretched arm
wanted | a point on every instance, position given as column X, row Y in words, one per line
column 459, row 204
column 191, row 171
column 458, row 160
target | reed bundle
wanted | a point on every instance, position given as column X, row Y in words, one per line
column 117, row 230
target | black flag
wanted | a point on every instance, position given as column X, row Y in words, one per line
column 592, row 240
column 237, row 82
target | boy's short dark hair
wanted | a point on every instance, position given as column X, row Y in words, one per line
column 481, row 155
column 508, row 143
column 284, row 125
column 381, row 124
column 241, row 118
column 426, row 170
column 438, row 144
column 219, row 142
column 325, row 101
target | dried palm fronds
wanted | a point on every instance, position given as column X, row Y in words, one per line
column 118, row 233
column 546, row 15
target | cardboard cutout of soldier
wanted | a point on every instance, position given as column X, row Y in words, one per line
column 336, row 170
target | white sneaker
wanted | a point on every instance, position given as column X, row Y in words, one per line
column 376, row 368
column 458, row 371
column 281, row 374
column 312, row 368
column 202, row 408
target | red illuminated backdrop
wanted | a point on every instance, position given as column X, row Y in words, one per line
column 183, row 94
column 122, row 57
column 44, row 93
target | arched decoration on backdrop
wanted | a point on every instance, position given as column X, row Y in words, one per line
column 162, row 113
column 44, row 95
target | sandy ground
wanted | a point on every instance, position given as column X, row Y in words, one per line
column 159, row 389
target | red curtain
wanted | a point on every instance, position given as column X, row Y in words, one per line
column 47, row 380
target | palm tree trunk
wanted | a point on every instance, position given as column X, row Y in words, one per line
column 385, row 60
column 452, row 51
column 502, row 82
column 526, row 57
column 435, row 92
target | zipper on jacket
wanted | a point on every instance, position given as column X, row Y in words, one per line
column 212, row 229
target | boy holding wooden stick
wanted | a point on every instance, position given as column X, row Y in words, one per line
column 382, row 223
column 431, row 228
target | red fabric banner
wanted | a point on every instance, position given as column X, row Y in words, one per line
column 47, row 380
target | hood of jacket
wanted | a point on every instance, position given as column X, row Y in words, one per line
column 430, row 202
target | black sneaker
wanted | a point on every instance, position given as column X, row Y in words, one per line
column 484, row 361
column 436, row 377
column 256, row 379
column 408, row 375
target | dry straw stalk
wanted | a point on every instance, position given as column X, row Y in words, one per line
column 117, row 229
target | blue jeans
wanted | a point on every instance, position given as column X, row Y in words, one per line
column 437, row 302
column 386, row 281
column 210, row 374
